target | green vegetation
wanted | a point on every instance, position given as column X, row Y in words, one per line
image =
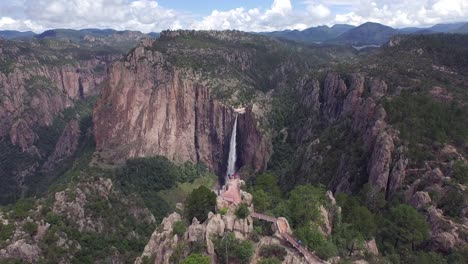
column 403, row 227
column 223, row 211
column 273, row 251
column 179, row 228
column 269, row 261
column 196, row 259
column 242, row 211
column 358, row 217
column 422, row 120
column 199, row 203
column 304, row 202
column 237, row 251
column 453, row 201
column 181, row 191
column 314, row 240
column 117, row 223
column 6, row 231
column 21, row 208
column 460, row 172
column 30, row 228
column 158, row 181
column 6, row 65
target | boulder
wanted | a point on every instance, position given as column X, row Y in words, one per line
column 371, row 247
column 420, row 200
column 196, row 231
column 23, row 251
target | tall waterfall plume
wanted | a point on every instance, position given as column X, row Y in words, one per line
column 231, row 168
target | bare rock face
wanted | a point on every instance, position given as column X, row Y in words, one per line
column 72, row 204
column 334, row 91
column 196, row 231
column 420, row 200
column 326, row 227
column 378, row 88
column 22, row 250
column 355, row 97
column 445, row 234
column 371, row 247
column 152, row 108
column 162, row 243
column 34, row 96
column 66, row 145
column 21, row 134
column 379, row 165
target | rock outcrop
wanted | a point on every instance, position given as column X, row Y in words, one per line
column 65, row 146
column 163, row 242
column 39, row 82
column 34, row 94
column 150, row 107
column 355, row 98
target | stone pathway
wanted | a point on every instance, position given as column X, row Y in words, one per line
column 231, row 193
column 283, row 230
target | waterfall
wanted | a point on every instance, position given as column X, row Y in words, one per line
column 231, row 168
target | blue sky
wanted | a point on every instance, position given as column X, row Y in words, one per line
column 259, row 15
column 204, row 7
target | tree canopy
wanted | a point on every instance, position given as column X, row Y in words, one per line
column 199, row 203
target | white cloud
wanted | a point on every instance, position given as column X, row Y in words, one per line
column 149, row 15
column 144, row 15
column 318, row 10
column 401, row 13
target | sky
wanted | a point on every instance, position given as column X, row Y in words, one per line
column 246, row 15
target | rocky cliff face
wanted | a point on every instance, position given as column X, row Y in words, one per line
column 149, row 107
column 355, row 98
column 38, row 82
column 34, row 93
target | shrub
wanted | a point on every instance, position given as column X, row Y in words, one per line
column 178, row 253
column 196, row 259
column 179, row 228
column 275, row 251
column 310, row 235
column 269, row 261
column 22, row 207
column 453, row 202
column 199, row 203
column 242, row 211
column 237, row 251
column 198, row 247
column 460, row 172
column 326, row 250
column 403, row 226
column 304, row 204
column 150, row 173
column 6, row 231
column 30, row 228
column 223, row 211
column 423, row 258
column 261, row 200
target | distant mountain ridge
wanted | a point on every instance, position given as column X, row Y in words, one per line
column 369, row 33
column 366, row 34
column 311, row 35
column 72, row 34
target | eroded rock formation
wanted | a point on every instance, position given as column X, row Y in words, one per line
column 152, row 108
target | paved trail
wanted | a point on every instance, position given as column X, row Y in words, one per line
column 231, row 193
column 283, row 230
